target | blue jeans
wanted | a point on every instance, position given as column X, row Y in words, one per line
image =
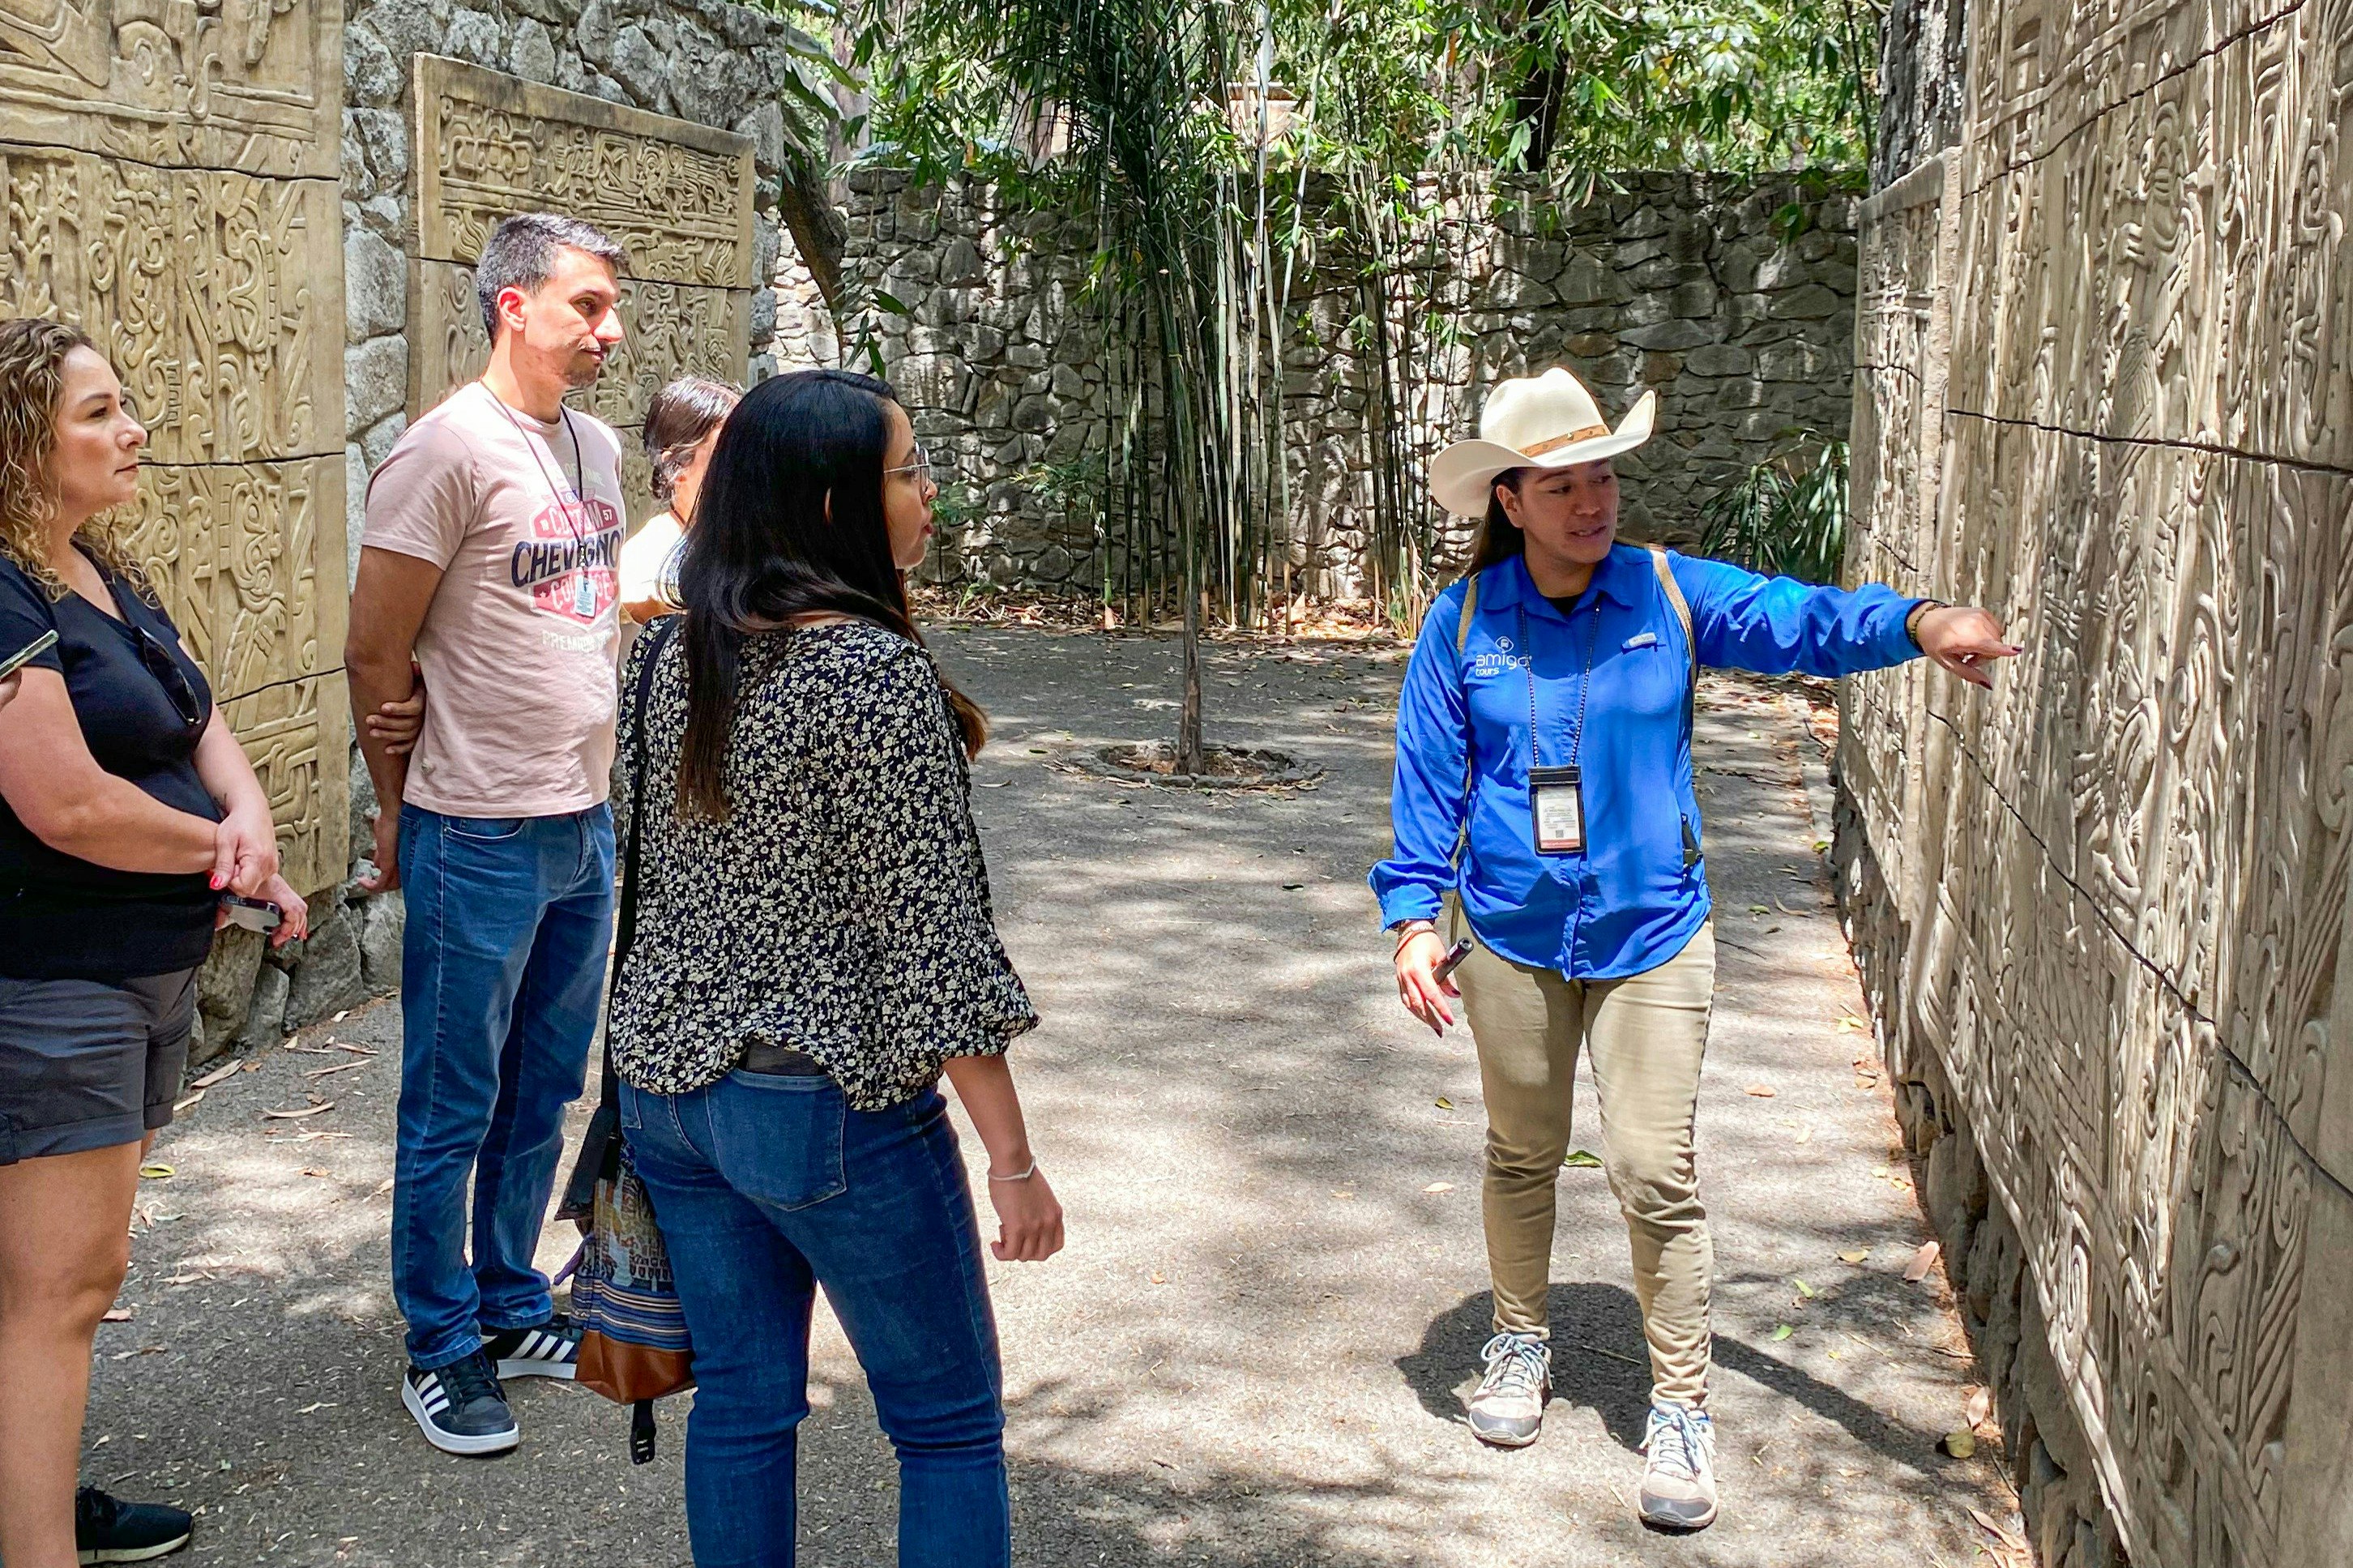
column 509, row 920
column 767, row 1187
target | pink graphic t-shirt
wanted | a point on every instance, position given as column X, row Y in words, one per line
column 524, row 518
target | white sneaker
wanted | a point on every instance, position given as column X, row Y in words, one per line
column 1679, row 1483
column 1509, row 1406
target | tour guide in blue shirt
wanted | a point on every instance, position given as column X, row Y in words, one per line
column 1575, row 864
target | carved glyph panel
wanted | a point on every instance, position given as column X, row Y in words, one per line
column 234, row 551
column 169, row 183
column 217, row 296
column 254, row 85
column 2117, row 888
column 677, row 195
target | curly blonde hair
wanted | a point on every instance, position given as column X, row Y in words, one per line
column 32, row 383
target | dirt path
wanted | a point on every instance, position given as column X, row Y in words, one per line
column 1254, row 1349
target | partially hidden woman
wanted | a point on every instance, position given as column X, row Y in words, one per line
column 812, row 949
column 1543, row 807
column 681, row 429
column 127, row 808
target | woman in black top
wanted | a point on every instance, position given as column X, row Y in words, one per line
column 812, row 949
column 126, row 809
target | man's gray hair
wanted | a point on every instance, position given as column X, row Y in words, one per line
column 521, row 254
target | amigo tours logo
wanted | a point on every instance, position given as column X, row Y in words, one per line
column 1501, row 660
column 571, row 566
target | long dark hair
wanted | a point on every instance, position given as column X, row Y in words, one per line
column 1498, row 539
column 764, row 550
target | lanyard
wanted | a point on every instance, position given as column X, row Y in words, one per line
column 1584, row 688
column 555, row 479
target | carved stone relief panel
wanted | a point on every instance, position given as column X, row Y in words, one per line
column 215, row 294
column 169, row 183
column 677, row 196
column 256, row 85
column 2119, row 882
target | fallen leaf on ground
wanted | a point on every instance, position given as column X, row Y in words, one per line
column 119, row 1314
column 1959, row 1445
column 1440, row 1187
column 1921, row 1262
column 185, row 1101
column 1583, row 1159
column 1805, row 1132
column 1444, row 1103
column 216, row 1075
column 354, row 1050
column 1781, row 1332
column 1157, row 1278
column 1851, row 1021
column 1857, row 1255
column 157, row 1172
column 1804, row 1289
column 314, row 1171
column 1979, row 1406
column 381, row 1188
column 306, row 1110
column 1763, row 1091
column 1758, row 909
column 338, row 1067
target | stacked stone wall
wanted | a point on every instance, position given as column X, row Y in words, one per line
column 1731, row 299
column 2102, row 911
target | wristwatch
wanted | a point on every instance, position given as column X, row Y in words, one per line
column 1912, row 619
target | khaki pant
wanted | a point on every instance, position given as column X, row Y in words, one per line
column 1647, row 1034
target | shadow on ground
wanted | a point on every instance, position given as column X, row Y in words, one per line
column 1252, row 1353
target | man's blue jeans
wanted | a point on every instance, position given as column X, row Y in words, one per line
column 767, row 1187
column 510, row 921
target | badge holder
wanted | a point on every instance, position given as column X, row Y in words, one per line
column 1557, row 802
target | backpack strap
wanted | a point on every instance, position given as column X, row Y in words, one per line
column 1462, row 642
column 1691, row 688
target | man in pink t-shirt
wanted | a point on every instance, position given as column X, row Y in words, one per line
column 491, row 560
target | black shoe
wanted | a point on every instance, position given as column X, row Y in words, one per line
column 461, row 1406
column 551, row 1349
column 107, row 1530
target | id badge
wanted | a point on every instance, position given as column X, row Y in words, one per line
column 584, row 595
column 1557, row 802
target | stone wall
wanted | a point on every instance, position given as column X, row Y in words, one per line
column 1682, row 284
column 2102, row 911
column 701, row 61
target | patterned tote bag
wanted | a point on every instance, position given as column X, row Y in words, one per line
column 634, row 1347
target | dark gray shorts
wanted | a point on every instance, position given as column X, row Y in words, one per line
column 89, row 1064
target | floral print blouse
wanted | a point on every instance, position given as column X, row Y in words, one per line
column 842, row 907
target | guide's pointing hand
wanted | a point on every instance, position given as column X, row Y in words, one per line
column 1964, row 639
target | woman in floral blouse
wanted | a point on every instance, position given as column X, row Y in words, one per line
column 813, row 949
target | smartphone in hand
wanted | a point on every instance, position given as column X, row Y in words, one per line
column 253, row 914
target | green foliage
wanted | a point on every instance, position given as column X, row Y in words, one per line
column 1582, row 87
column 1787, row 517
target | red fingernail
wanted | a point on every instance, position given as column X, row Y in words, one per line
column 218, row 882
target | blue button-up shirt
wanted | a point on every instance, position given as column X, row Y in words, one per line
column 1630, row 902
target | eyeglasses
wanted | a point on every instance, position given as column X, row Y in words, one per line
column 921, row 467
column 168, row 675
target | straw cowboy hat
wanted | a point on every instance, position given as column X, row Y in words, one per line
column 1535, row 421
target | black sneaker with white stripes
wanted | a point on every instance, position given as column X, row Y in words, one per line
column 107, row 1530
column 462, row 1407
column 550, row 1349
